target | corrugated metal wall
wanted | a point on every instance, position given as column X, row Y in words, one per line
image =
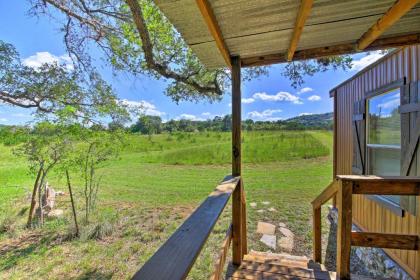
column 367, row 214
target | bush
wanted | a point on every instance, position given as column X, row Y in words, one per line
column 96, row 231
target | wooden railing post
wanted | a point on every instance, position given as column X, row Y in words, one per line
column 239, row 246
column 344, row 203
column 317, row 242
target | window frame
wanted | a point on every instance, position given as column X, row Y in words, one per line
column 383, row 200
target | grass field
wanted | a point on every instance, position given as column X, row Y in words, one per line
column 150, row 190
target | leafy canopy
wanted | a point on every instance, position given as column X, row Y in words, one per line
column 137, row 38
column 54, row 90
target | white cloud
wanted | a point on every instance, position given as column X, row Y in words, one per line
column 359, row 64
column 314, row 98
column 264, row 114
column 142, row 107
column 305, row 114
column 280, row 96
column 206, row 114
column 304, row 90
column 248, row 100
column 3, row 120
column 230, row 104
column 37, row 60
column 189, row 117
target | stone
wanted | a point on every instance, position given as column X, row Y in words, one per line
column 59, row 193
column 253, row 204
column 260, row 210
column 265, row 202
column 269, row 240
column 286, row 244
column 286, row 232
column 55, row 213
column 282, row 225
column 266, row 228
column 272, row 209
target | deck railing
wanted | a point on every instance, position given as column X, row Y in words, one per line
column 343, row 188
column 175, row 258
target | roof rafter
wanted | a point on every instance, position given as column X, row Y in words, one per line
column 399, row 9
column 302, row 16
column 214, row 29
column 383, row 43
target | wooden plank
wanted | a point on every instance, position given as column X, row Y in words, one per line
column 374, row 178
column 317, row 236
column 383, row 240
column 243, row 220
column 399, row 9
column 302, row 16
column 220, row 263
column 386, row 188
column 250, row 266
column 325, row 195
column 174, row 259
column 348, row 48
column 213, row 26
column 344, row 199
column 261, row 275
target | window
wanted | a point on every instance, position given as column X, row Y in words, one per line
column 384, row 136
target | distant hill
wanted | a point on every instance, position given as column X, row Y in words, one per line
column 313, row 120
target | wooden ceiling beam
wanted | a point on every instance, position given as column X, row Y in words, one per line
column 399, row 9
column 302, row 16
column 214, row 29
column 385, row 43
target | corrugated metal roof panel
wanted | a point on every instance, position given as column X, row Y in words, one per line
column 254, row 28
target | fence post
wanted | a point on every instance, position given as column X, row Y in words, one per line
column 317, row 242
column 344, row 201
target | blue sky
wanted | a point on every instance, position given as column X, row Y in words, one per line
column 267, row 98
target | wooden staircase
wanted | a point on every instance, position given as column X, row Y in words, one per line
column 262, row 266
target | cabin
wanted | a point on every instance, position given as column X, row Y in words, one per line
column 380, row 106
column 376, row 157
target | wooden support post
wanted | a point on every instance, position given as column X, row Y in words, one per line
column 238, row 209
column 317, row 242
column 418, row 232
column 344, row 200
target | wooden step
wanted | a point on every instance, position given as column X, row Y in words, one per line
column 269, row 266
column 259, row 266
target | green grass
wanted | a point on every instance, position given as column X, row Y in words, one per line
column 145, row 196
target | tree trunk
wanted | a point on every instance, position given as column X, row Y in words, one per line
column 33, row 198
column 72, row 203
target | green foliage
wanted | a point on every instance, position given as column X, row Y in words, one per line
column 147, row 125
column 56, row 91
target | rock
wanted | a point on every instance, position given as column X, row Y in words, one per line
column 261, row 211
column 286, row 244
column 272, row 209
column 265, row 202
column 55, row 213
column 282, row 225
column 286, row 232
column 269, row 240
column 59, row 193
column 266, row 228
column 253, row 204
